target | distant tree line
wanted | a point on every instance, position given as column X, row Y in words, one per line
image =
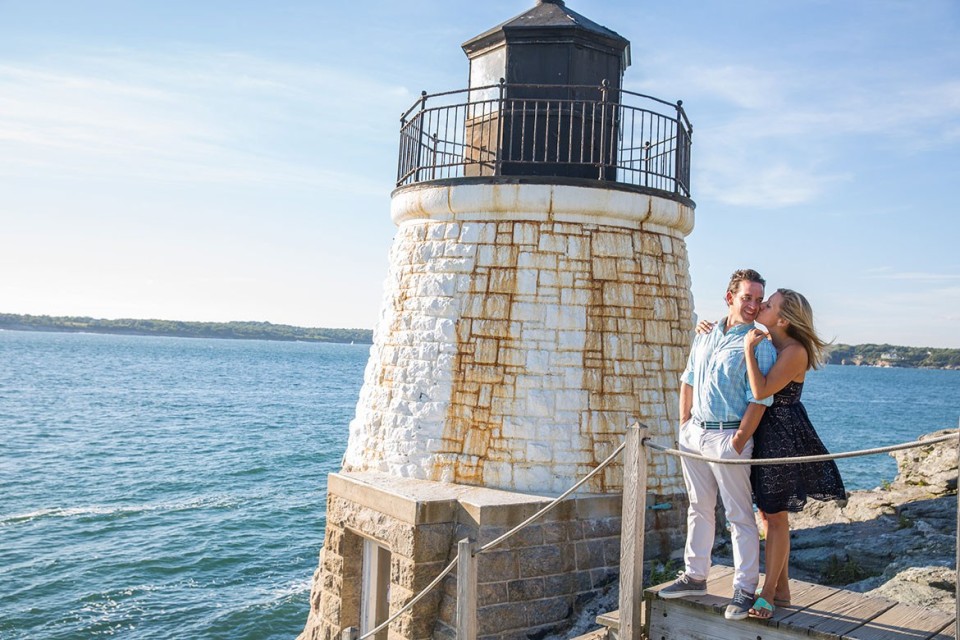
column 232, row 330
column 887, row 355
column 884, row 355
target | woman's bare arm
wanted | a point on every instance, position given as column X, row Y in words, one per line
column 791, row 362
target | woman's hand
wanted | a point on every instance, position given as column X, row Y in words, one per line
column 752, row 339
column 738, row 441
column 705, row 326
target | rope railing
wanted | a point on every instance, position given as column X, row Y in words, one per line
column 634, row 508
column 632, row 532
column 800, row 459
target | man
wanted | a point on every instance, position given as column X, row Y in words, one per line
column 718, row 415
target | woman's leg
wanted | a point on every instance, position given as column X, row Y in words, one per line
column 777, row 556
column 782, row 593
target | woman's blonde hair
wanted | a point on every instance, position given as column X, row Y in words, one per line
column 795, row 309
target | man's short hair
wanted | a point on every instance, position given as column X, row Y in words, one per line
column 741, row 275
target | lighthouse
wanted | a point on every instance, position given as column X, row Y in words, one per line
column 537, row 303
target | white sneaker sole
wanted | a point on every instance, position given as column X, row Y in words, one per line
column 683, row 594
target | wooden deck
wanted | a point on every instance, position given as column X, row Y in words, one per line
column 815, row 612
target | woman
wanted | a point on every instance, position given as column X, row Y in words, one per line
column 785, row 431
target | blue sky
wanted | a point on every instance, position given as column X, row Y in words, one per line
column 215, row 160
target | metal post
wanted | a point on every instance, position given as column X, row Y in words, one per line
column 466, row 590
column 500, row 150
column 632, row 531
column 603, row 126
column 679, row 151
column 419, row 132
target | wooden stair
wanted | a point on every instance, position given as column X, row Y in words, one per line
column 815, row 612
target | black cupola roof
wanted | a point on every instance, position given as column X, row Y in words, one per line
column 551, row 22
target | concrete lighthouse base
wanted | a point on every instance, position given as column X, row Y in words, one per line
column 530, row 586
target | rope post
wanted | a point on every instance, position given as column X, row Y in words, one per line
column 956, row 623
column 350, row 633
column 632, row 532
column 466, row 590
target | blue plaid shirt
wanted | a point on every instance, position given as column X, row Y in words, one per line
column 717, row 371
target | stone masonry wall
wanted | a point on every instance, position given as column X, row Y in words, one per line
column 529, row 586
column 418, row 554
column 535, row 584
column 523, row 328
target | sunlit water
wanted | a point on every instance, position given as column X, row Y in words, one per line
column 175, row 488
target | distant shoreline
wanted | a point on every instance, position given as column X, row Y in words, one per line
column 185, row 329
column 892, row 356
column 867, row 355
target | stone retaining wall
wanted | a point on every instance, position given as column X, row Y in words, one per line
column 528, row 586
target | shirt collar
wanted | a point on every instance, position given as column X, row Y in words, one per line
column 736, row 330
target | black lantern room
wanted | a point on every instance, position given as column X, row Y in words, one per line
column 562, row 75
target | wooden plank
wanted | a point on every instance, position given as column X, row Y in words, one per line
column 685, row 620
column 903, row 622
column 718, row 584
column 802, row 596
column 815, row 611
column 839, row 613
column 611, row 619
column 717, row 572
column 947, row 633
column 466, row 590
column 632, row 533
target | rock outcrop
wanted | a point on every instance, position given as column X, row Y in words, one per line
column 897, row 540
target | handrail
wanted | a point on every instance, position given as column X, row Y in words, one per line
column 424, row 96
column 802, row 459
column 574, row 131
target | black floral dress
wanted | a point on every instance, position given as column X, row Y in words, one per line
column 785, row 431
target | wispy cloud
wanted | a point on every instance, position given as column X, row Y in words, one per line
column 888, row 273
column 775, row 134
column 197, row 117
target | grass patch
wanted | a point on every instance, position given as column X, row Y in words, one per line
column 664, row 572
column 840, row 572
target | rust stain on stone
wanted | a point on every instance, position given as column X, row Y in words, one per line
column 472, row 431
column 615, row 315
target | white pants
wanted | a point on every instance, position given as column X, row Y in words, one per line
column 733, row 480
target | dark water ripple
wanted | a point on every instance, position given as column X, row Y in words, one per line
column 170, row 488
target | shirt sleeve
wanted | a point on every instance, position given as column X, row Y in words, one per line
column 687, row 376
column 766, row 356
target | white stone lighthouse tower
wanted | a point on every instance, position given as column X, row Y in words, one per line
column 537, row 303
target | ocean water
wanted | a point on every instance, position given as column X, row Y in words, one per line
column 165, row 488
column 175, row 488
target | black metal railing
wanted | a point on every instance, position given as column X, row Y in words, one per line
column 547, row 130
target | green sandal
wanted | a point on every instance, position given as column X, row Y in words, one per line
column 761, row 609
